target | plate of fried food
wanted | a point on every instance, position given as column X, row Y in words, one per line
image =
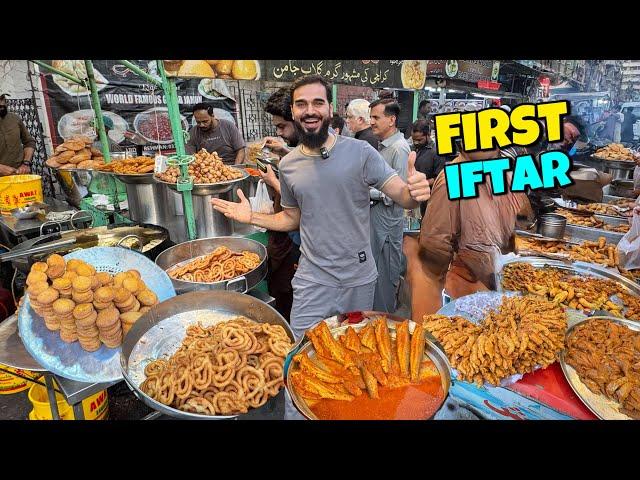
column 577, row 286
column 80, row 122
column 368, row 366
column 599, row 252
column 601, row 364
column 79, row 307
column 209, row 174
column 616, row 151
column 591, row 221
column 413, row 74
column 76, row 153
column 605, row 209
column 623, row 202
column 227, row 263
column 517, row 335
column 633, row 274
column 208, row 355
column 129, row 166
column 78, row 69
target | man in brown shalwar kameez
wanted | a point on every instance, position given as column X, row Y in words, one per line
column 460, row 241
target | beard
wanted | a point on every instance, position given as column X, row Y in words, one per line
column 315, row 139
column 293, row 142
column 3, row 111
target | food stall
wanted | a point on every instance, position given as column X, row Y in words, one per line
column 186, row 330
column 152, row 221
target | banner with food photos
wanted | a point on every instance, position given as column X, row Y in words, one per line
column 136, row 108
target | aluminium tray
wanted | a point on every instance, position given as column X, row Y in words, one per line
column 601, row 406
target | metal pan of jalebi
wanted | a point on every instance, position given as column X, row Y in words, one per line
column 186, row 252
column 159, row 333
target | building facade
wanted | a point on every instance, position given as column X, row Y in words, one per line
column 630, row 86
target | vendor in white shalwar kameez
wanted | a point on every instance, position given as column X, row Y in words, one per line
column 386, row 215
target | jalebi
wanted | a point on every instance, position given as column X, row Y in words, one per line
column 221, row 264
column 225, row 369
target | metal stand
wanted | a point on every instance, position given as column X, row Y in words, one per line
column 51, row 392
column 14, row 355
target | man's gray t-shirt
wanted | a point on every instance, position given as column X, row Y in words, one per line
column 225, row 140
column 333, row 197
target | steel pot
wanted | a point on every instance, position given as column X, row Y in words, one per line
column 622, row 188
column 552, row 225
column 619, row 170
column 187, row 251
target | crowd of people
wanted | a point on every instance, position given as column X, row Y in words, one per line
column 345, row 197
column 345, row 252
column 336, row 240
column 329, row 269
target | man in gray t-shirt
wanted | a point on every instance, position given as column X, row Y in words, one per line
column 325, row 184
column 215, row 135
column 334, row 219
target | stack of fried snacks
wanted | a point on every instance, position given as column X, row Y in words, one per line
column 622, row 228
column 599, row 252
column 343, row 368
column 592, row 222
column 221, row 264
column 87, row 306
column 616, row 151
column 129, row 166
column 596, row 252
column 224, row 369
column 523, row 333
column 623, row 202
column 530, row 245
column 206, row 168
column 580, row 220
column 605, row 355
column 76, row 153
column 556, row 285
column 602, row 209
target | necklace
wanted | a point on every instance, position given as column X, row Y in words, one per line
column 335, row 139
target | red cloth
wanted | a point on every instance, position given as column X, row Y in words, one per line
column 550, row 387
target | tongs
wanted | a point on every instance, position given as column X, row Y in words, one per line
column 537, row 236
column 12, row 255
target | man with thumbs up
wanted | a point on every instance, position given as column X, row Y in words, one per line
column 324, row 184
column 386, row 215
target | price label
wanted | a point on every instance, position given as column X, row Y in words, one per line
column 161, row 164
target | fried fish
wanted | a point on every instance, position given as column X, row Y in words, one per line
column 383, row 341
column 373, row 363
column 313, row 385
column 351, row 340
column 416, row 353
column 333, row 347
column 307, row 366
column 370, row 381
column 368, row 338
column 403, row 347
